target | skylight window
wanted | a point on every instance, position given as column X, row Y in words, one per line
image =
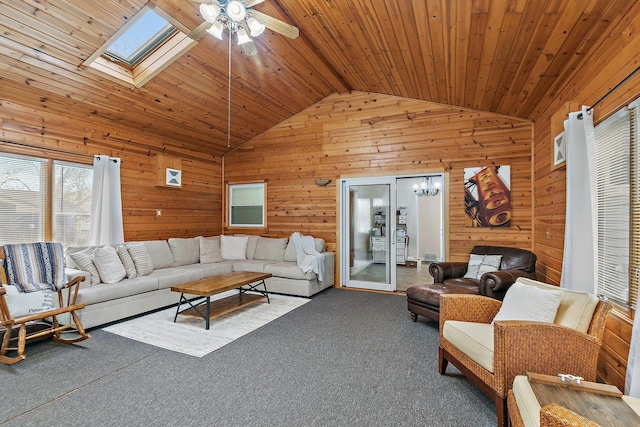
column 146, row 45
column 145, row 34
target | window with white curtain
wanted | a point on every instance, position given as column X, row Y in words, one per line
column 26, row 212
column 618, row 206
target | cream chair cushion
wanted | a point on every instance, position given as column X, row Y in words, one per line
column 576, row 308
column 526, row 401
column 473, row 339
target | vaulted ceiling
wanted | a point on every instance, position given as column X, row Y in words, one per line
column 501, row 56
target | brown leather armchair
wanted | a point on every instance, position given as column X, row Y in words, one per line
column 449, row 278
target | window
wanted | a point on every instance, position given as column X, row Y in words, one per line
column 26, row 185
column 247, row 205
column 143, row 47
column 72, row 203
column 618, row 206
column 140, row 38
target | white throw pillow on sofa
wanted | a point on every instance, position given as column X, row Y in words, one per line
column 141, row 258
column 84, row 261
column 210, row 249
column 109, row 266
column 185, row 251
column 233, row 247
column 480, row 264
column 127, row 261
column 524, row 302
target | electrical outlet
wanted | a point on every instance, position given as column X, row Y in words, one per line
column 158, row 213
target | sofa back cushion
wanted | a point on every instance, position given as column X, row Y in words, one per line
column 576, row 308
column 290, row 252
column 512, row 258
column 233, row 247
column 269, row 249
column 184, row 251
column 252, row 242
column 109, row 265
column 160, row 253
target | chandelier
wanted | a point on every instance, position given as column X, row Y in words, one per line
column 233, row 15
column 427, row 188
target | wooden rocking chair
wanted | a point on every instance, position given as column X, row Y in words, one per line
column 67, row 297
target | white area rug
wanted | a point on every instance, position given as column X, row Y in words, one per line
column 189, row 336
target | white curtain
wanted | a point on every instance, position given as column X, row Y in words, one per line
column 579, row 262
column 106, row 202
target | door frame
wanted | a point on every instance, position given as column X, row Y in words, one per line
column 344, row 215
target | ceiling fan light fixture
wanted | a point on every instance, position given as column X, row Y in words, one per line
column 209, row 12
column 216, row 30
column 243, row 37
column 255, row 27
column 236, row 11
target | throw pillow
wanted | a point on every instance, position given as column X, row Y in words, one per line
column 109, row 265
column 26, row 303
column 84, row 261
column 233, row 247
column 524, row 302
column 210, row 249
column 141, row 258
column 127, row 261
column 480, row 264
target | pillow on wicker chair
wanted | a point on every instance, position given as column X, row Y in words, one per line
column 524, row 302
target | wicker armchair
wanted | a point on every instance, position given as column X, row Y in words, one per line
column 521, row 346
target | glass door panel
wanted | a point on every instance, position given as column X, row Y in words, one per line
column 368, row 224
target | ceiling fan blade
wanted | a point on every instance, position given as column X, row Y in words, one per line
column 201, row 1
column 200, row 30
column 276, row 25
column 254, row 2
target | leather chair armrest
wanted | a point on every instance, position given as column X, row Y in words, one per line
column 447, row 270
column 495, row 284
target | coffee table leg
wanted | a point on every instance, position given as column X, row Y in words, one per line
column 178, row 308
column 208, row 311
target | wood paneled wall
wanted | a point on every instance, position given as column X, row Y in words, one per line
column 613, row 57
column 364, row 134
column 192, row 210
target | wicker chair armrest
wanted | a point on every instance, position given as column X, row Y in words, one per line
column 554, row 415
column 467, row 308
column 447, row 270
column 545, row 348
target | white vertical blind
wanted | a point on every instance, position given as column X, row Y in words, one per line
column 613, row 156
column 22, row 199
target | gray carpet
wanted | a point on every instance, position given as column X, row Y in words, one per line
column 344, row 359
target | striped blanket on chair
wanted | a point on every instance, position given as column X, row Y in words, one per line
column 33, row 267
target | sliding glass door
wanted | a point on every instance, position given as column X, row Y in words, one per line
column 368, row 224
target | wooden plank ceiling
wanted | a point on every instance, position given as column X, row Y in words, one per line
column 501, row 56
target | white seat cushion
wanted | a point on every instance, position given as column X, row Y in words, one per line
column 473, row 339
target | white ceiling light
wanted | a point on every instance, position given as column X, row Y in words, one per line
column 236, row 11
column 243, row 37
column 427, row 188
column 209, row 12
column 255, row 28
column 216, row 30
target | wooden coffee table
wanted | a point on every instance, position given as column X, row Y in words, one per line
column 204, row 288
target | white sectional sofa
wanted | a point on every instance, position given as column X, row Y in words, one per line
column 180, row 260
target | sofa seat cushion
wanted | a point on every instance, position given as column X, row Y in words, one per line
column 576, row 308
column 210, row 269
column 110, row 291
column 430, row 294
column 473, row 339
column 254, row 265
column 168, row 277
column 289, row 270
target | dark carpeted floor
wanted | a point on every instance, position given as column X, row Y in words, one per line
column 345, row 359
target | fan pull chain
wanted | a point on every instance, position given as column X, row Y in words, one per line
column 229, row 97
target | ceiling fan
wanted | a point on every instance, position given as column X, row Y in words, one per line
column 239, row 16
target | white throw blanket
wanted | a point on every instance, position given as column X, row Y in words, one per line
column 308, row 258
